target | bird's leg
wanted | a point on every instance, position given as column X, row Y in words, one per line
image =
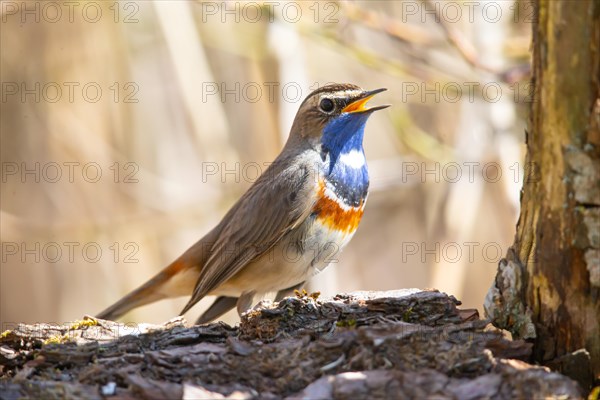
column 245, row 301
column 221, row 305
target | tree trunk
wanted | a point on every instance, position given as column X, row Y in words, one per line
column 547, row 288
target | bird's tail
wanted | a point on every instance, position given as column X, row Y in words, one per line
column 177, row 279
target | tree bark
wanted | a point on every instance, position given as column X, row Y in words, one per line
column 547, row 288
column 405, row 344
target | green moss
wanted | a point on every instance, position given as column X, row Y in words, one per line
column 83, row 323
column 64, row 338
column 303, row 293
column 56, row 339
column 595, row 393
column 407, row 314
column 347, row 323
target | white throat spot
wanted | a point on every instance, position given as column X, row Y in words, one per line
column 353, row 159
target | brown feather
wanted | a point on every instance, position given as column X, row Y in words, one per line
column 259, row 220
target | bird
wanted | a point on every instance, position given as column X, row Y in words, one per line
column 288, row 226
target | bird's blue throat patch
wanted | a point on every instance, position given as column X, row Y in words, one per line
column 342, row 137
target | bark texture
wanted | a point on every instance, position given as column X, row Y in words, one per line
column 547, row 288
column 364, row 345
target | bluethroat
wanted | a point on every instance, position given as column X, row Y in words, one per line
column 289, row 225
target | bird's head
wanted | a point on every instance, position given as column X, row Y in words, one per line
column 332, row 119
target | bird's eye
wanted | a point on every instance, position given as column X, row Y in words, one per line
column 327, row 105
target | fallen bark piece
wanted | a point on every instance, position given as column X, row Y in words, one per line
column 397, row 344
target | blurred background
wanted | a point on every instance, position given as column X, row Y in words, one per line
column 129, row 128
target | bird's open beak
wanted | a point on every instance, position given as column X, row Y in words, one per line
column 358, row 105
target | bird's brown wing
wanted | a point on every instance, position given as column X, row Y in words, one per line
column 278, row 202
